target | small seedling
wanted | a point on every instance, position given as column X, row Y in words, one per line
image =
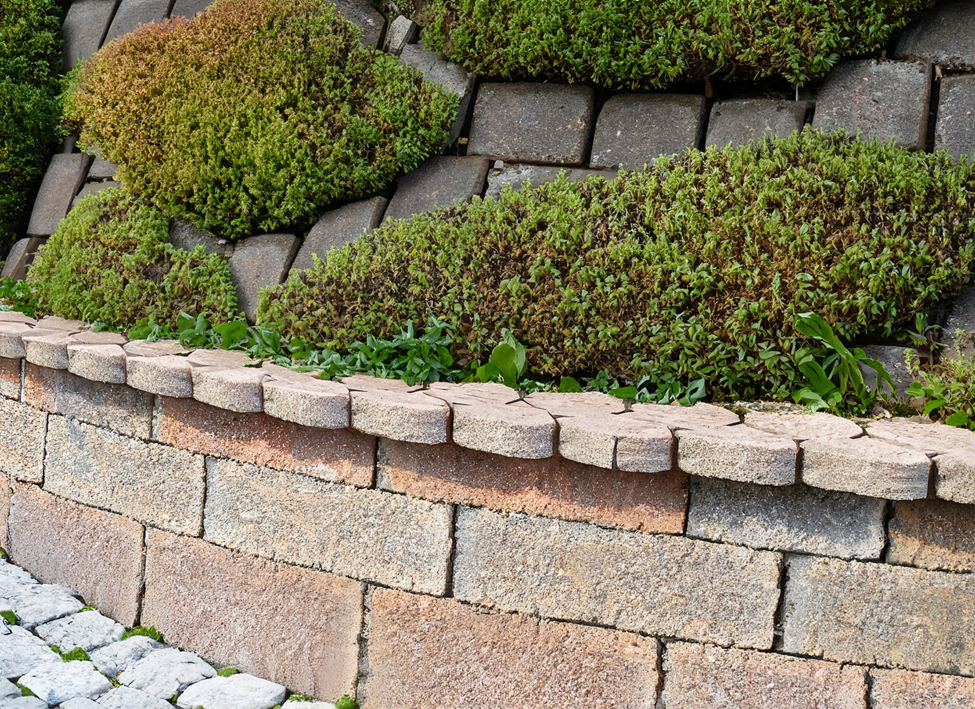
column 227, row 672
column 346, row 702
column 24, row 692
column 10, row 617
column 149, row 632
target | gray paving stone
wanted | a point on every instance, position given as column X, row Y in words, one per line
column 61, row 182
column 132, row 13
column 339, row 227
column 794, row 518
column 944, row 35
column 186, row 236
column 516, row 176
column 20, row 258
column 91, row 188
column 633, row 130
column 536, row 123
column 362, row 14
column 958, row 334
column 884, row 100
column 55, row 682
column 451, row 76
column 257, row 262
column 740, row 121
column 865, row 466
column 128, row 698
column 8, row 689
column 304, row 399
column 21, row 652
column 240, row 691
column 893, row 359
column 84, row 27
column 97, row 363
column 35, row 604
column 23, row 703
column 234, row 389
column 189, row 8
column 89, row 630
column 401, row 32
column 120, row 656
column 439, row 182
column 803, row 426
column 955, row 131
column 165, row 673
column 100, row 169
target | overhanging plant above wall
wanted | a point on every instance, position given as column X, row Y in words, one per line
column 256, row 114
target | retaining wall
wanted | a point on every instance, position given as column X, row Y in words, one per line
column 459, row 547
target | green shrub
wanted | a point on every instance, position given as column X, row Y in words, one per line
column 110, row 262
column 627, row 44
column 695, row 268
column 29, row 63
column 256, row 114
column 948, row 389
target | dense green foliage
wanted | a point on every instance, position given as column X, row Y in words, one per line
column 948, row 390
column 110, row 261
column 29, row 63
column 696, row 268
column 626, row 44
column 256, row 114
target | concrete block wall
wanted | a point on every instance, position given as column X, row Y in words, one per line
column 391, row 553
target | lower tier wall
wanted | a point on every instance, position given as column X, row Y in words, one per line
column 435, row 576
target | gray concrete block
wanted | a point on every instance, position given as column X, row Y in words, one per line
column 362, row 14
column 955, row 130
column 794, row 518
column 944, row 35
column 958, row 334
column 61, row 183
column 895, row 362
column 537, row 123
column 92, row 188
column 883, row 100
column 132, row 13
column 633, row 130
column 451, row 76
column 189, row 8
column 439, row 182
column 20, row 258
column 100, row 169
column 186, row 236
column 516, row 176
column 739, row 121
column 401, row 32
column 84, row 27
column 339, row 227
column 257, row 262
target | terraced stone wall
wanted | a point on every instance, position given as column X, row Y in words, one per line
column 459, row 547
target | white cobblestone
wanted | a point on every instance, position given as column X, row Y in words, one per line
column 58, row 681
column 21, row 652
column 118, row 657
column 235, row 692
column 165, row 673
column 90, row 630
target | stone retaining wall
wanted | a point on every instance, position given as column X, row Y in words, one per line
column 459, row 547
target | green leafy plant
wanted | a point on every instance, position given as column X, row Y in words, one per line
column 78, row 654
column 346, row 702
column 948, row 389
column 24, row 691
column 227, row 672
column 686, row 277
column 18, row 295
column 10, row 617
column 147, row 631
column 508, row 363
column 255, row 114
column 626, row 44
column 111, row 261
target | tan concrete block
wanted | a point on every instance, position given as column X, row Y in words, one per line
column 114, row 406
column 675, row 416
column 22, row 441
column 305, row 399
column 900, row 689
column 10, row 378
column 365, row 534
column 392, row 409
column 933, row 534
column 428, row 652
column 96, row 553
column 955, row 477
column 698, row 675
column 334, row 455
column 553, row 487
column 154, row 484
column 737, row 453
column 877, row 614
column 866, row 466
column 235, row 389
column 166, row 375
column 47, row 350
column 659, row 585
column 97, row 363
column 283, row 623
column 802, row 427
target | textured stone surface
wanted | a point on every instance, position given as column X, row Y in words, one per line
column 882, row 99
column 100, row 169
column 120, row 656
column 739, row 121
column 90, row 189
column 955, row 131
column 961, row 317
column 151, row 483
column 234, row 389
column 438, row 182
column 899, row 689
column 132, row 13
column 553, row 487
column 62, row 179
column 97, row 553
column 169, row 375
column 260, row 261
column 305, row 399
column 865, row 466
column 874, row 614
column 795, row 518
column 128, row 698
column 451, row 76
column 704, row 677
column 47, row 349
column 297, row 519
column 929, row 438
column 84, row 26
column 362, row 14
column 189, row 8
column 802, row 427
column 21, row 652
column 36, row 603
column 89, row 630
column 22, row 441
column 737, row 453
column 166, row 672
column 401, row 32
column 500, row 660
column 57, row 681
column 398, row 415
column 159, row 348
column 537, row 123
column 23, row 703
column 617, row 441
column 517, row 176
column 675, row 417
column 21, row 257
column 241, row 691
column 944, row 35
column 659, row 585
column 187, row 236
column 292, row 625
column 97, row 363
column 340, row 226
column 10, row 378
column 895, row 362
column 956, row 476
column 633, row 130
column 933, row 534
column 334, row 455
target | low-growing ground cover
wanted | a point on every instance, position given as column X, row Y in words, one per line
column 256, row 114
column 29, row 86
column 625, row 44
